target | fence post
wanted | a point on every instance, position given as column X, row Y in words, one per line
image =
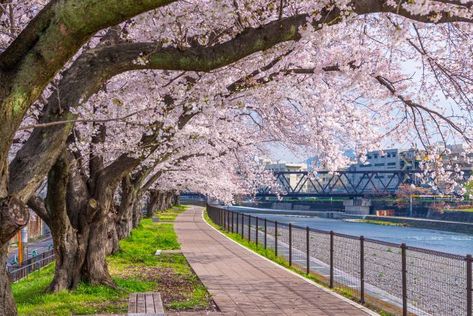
column 265, row 232
column 226, row 221
column 249, row 227
column 232, row 221
column 331, row 259
column 362, row 270
column 290, row 244
column 469, row 289
column 404, row 279
column 307, row 240
column 242, row 226
column 237, row 221
column 276, row 238
column 256, row 238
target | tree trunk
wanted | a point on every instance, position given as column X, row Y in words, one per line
column 79, row 225
column 7, row 303
column 95, row 269
column 112, row 235
column 137, row 213
column 125, row 209
column 13, row 216
column 69, row 249
column 153, row 202
column 64, row 221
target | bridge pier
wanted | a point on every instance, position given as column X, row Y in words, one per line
column 357, row 206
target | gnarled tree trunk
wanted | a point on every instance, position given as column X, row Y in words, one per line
column 13, row 215
column 126, row 208
column 7, row 303
column 80, row 224
column 95, row 269
column 66, row 223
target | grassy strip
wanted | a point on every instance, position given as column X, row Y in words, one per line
column 271, row 255
column 378, row 222
column 171, row 214
column 134, row 268
column 466, row 210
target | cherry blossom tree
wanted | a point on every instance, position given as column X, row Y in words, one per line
column 397, row 69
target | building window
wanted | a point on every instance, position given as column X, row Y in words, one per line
column 375, row 156
column 369, row 157
column 379, row 164
column 391, row 163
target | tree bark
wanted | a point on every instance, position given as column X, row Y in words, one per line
column 95, row 269
column 7, row 303
column 126, row 208
column 13, row 216
column 137, row 213
column 66, row 227
column 80, row 226
column 154, row 201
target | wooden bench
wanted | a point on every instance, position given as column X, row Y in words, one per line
column 149, row 303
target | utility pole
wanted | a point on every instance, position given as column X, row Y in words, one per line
column 20, row 248
column 22, row 245
column 410, row 205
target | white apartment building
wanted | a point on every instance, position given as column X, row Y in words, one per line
column 382, row 161
column 292, row 179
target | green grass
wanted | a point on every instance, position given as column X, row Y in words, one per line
column 270, row 254
column 134, row 268
column 171, row 214
column 467, row 210
column 383, row 223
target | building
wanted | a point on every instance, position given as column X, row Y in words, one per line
column 293, row 179
column 380, row 162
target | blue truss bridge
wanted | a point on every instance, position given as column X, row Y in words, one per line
column 344, row 183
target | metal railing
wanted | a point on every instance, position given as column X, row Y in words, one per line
column 33, row 264
column 396, row 278
column 190, row 201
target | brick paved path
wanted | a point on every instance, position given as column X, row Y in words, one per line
column 242, row 283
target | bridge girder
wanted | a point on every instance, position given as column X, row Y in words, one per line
column 345, row 183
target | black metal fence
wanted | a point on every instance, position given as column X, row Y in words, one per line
column 191, row 201
column 31, row 265
column 396, row 278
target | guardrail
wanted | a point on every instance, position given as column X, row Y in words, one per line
column 31, row 265
column 197, row 202
column 396, row 278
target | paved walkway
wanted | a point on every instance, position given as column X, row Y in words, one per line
column 242, row 283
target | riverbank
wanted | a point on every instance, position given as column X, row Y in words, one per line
column 423, row 223
column 134, row 268
column 448, row 226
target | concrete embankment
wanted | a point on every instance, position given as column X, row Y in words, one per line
column 251, row 210
column 457, row 227
column 449, row 226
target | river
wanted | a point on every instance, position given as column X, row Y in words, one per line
column 449, row 242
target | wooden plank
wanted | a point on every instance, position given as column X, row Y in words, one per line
column 158, row 303
column 149, row 303
column 132, row 303
column 140, row 304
